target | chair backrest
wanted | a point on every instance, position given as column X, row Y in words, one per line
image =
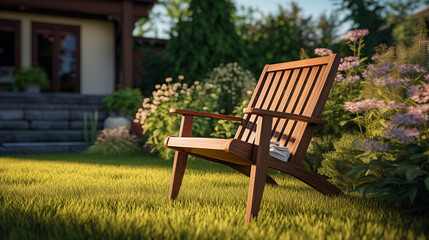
column 299, row 87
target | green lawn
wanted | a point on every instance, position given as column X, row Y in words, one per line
column 76, row 196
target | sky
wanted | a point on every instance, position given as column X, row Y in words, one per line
column 312, row 8
column 309, row 7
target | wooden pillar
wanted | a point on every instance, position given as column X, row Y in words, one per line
column 127, row 43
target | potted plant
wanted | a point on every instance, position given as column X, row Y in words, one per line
column 122, row 105
column 31, row 79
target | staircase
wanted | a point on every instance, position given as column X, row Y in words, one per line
column 46, row 122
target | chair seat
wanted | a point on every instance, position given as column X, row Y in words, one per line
column 228, row 150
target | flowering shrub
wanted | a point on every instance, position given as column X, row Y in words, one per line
column 392, row 113
column 157, row 121
column 235, row 83
column 346, row 86
column 117, row 141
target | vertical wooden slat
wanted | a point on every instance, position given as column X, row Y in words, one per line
column 268, row 100
column 292, row 102
column 307, row 93
column 257, row 104
column 284, row 102
column 317, row 105
column 261, row 82
column 288, row 125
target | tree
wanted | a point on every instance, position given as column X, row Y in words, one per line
column 276, row 38
column 367, row 14
column 205, row 39
column 402, row 23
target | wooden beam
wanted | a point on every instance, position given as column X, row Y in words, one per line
column 87, row 7
column 127, row 43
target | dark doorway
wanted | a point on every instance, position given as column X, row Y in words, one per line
column 56, row 49
column 9, row 49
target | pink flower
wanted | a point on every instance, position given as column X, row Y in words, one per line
column 352, row 79
column 356, row 34
column 323, row 51
column 348, row 62
column 393, row 104
column 390, row 81
column 427, row 77
column 375, row 57
column 419, row 94
column 376, row 71
column 366, row 104
column 411, row 68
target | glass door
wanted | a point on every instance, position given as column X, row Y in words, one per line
column 56, row 49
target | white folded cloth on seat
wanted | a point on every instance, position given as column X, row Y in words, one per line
column 281, row 153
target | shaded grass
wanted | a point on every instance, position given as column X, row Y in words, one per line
column 77, row 196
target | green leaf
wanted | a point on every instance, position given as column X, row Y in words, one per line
column 391, row 180
column 412, row 174
column 413, row 193
column 354, row 171
column 342, row 123
column 427, row 183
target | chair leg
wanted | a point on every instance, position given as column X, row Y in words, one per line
column 259, row 168
column 258, row 176
column 180, row 158
column 179, row 167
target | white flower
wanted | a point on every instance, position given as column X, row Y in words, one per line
column 169, row 79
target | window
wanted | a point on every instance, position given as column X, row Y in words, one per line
column 56, row 49
column 9, row 49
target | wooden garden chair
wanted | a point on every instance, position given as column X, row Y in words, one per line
column 285, row 107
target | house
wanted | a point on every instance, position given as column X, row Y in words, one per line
column 86, row 46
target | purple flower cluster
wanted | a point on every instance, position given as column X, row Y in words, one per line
column 390, row 81
column 402, row 127
column 402, row 133
column 366, row 104
column 374, row 71
column 373, row 146
column 406, row 68
column 352, row 79
column 356, row 34
column 323, row 51
column 348, row 62
column 413, row 116
column 419, row 94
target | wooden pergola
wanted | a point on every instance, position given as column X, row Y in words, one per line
column 123, row 12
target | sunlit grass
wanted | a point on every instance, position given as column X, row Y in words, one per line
column 76, row 196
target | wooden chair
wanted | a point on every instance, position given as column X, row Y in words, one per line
column 286, row 107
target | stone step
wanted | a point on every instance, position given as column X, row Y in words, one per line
column 50, row 98
column 43, row 114
column 41, row 135
column 41, row 125
column 42, row 147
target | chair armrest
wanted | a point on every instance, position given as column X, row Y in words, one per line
column 205, row 114
column 290, row 116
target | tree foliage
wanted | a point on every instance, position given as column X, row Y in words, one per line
column 205, row 39
column 367, row 14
